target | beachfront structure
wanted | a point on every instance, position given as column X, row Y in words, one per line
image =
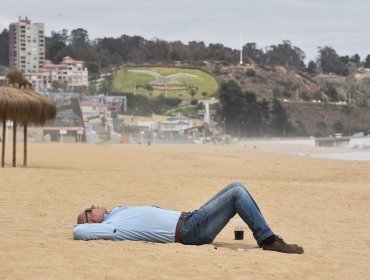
column 172, row 125
column 176, row 124
column 26, row 46
column 68, row 124
column 69, row 75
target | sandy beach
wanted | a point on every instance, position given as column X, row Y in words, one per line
column 321, row 204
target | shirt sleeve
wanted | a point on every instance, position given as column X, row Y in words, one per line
column 94, row 231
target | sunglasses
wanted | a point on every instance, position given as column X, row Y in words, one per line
column 87, row 210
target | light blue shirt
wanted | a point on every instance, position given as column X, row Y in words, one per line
column 148, row 223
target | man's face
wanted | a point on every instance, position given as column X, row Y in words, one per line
column 95, row 214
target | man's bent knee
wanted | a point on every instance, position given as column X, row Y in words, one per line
column 240, row 186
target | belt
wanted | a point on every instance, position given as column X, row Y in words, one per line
column 179, row 225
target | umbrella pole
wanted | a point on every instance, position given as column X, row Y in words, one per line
column 3, row 142
column 14, row 142
column 25, row 145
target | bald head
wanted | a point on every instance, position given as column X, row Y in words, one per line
column 94, row 214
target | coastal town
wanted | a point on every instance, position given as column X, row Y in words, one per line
column 184, row 140
column 103, row 117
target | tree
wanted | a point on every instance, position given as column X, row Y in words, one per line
column 196, row 50
column 279, row 119
column 218, row 52
column 55, row 44
column 285, row 54
column 330, row 62
column 240, row 110
column 252, row 114
column 192, row 91
column 252, row 54
column 79, row 37
column 330, row 90
column 157, row 50
column 178, row 51
column 232, row 101
column 265, row 115
column 356, row 59
column 312, row 67
column 367, row 61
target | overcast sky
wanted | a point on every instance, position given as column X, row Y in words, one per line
column 308, row 24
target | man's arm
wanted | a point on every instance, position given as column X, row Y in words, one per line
column 94, row 232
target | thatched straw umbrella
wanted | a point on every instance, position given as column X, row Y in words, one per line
column 13, row 106
column 22, row 106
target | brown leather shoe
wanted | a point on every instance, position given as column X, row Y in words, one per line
column 279, row 245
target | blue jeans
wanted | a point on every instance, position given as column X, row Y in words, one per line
column 203, row 225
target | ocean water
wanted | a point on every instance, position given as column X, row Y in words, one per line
column 344, row 156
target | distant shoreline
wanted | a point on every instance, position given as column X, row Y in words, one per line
column 305, row 147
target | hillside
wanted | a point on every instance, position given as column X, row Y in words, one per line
column 298, row 92
column 184, row 83
column 265, row 81
column 268, row 81
column 323, row 119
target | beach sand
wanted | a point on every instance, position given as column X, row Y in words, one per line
column 321, row 204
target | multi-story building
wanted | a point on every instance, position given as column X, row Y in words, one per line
column 27, row 54
column 26, row 46
column 69, row 75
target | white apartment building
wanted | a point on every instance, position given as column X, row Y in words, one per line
column 70, row 74
column 26, row 46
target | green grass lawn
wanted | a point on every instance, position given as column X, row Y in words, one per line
column 125, row 81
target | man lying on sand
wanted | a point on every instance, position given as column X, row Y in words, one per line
column 151, row 223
